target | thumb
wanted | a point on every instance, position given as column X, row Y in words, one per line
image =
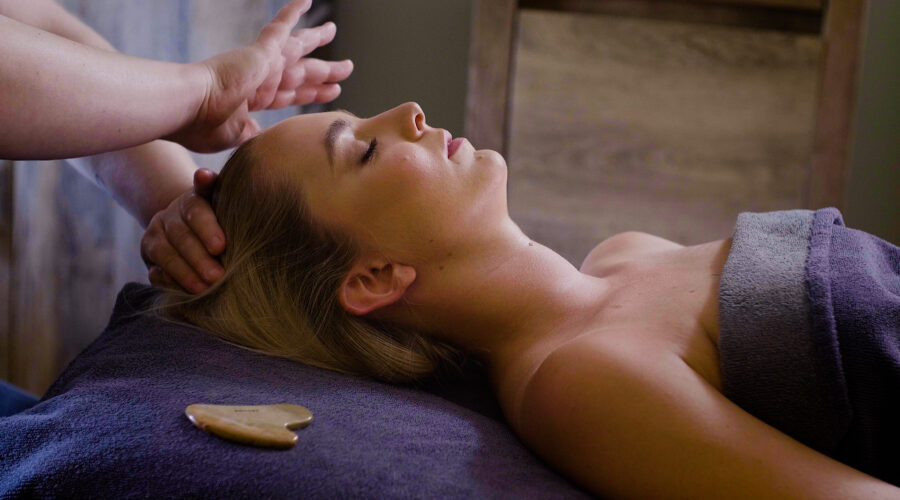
column 204, row 179
column 251, row 128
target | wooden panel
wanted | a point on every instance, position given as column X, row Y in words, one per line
column 789, row 4
column 491, row 64
column 6, row 224
column 802, row 16
column 594, row 5
column 670, row 128
column 827, row 175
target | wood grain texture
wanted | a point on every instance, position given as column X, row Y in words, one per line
column 670, row 128
column 791, row 4
column 70, row 248
column 827, row 174
column 599, row 5
column 491, row 64
column 804, row 16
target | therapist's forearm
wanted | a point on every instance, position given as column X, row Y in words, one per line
column 50, row 16
column 69, row 99
column 143, row 179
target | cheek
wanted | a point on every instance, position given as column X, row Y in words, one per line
column 400, row 180
column 409, row 162
column 406, row 173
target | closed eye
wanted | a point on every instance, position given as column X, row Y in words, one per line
column 369, row 152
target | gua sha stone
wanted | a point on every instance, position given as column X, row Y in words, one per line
column 266, row 426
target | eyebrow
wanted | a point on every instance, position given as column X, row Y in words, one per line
column 334, row 130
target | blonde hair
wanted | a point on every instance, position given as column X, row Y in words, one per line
column 279, row 295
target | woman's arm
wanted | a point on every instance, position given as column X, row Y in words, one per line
column 63, row 99
column 144, row 179
column 625, row 422
column 155, row 178
column 49, row 16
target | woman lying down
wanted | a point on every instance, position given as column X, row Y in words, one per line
column 744, row 368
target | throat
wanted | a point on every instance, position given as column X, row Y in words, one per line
column 509, row 303
column 517, row 356
column 534, row 299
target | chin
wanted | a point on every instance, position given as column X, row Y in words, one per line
column 491, row 164
column 490, row 156
column 493, row 167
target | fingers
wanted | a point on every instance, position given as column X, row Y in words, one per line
column 279, row 29
column 305, row 95
column 191, row 253
column 158, row 277
column 204, row 179
column 157, row 252
column 311, row 80
column 182, row 239
column 201, row 221
column 311, row 71
column 304, row 41
column 318, row 93
column 339, row 70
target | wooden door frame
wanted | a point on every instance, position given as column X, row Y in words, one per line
column 492, row 66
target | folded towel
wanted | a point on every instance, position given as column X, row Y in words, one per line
column 809, row 314
column 113, row 426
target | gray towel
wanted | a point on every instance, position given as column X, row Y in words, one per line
column 809, row 313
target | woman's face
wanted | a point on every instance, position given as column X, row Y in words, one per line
column 391, row 181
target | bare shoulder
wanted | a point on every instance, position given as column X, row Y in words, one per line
column 622, row 247
column 577, row 411
column 626, row 420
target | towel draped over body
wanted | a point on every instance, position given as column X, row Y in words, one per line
column 809, row 314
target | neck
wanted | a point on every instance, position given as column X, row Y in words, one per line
column 506, row 299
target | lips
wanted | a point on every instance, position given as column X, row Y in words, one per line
column 454, row 145
column 451, row 144
column 447, row 139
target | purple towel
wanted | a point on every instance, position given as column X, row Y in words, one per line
column 113, row 426
column 809, row 312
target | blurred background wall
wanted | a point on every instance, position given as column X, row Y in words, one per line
column 405, row 50
column 873, row 190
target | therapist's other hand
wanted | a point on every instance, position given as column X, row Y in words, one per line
column 271, row 73
column 182, row 240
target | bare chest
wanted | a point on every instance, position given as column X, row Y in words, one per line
column 661, row 302
column 667, row 302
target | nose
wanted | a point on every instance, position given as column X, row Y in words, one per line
column 412, row 120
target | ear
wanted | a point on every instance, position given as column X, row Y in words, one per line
column 373, row 283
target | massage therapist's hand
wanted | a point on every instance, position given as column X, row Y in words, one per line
column 271, row 73
column 181, row 240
